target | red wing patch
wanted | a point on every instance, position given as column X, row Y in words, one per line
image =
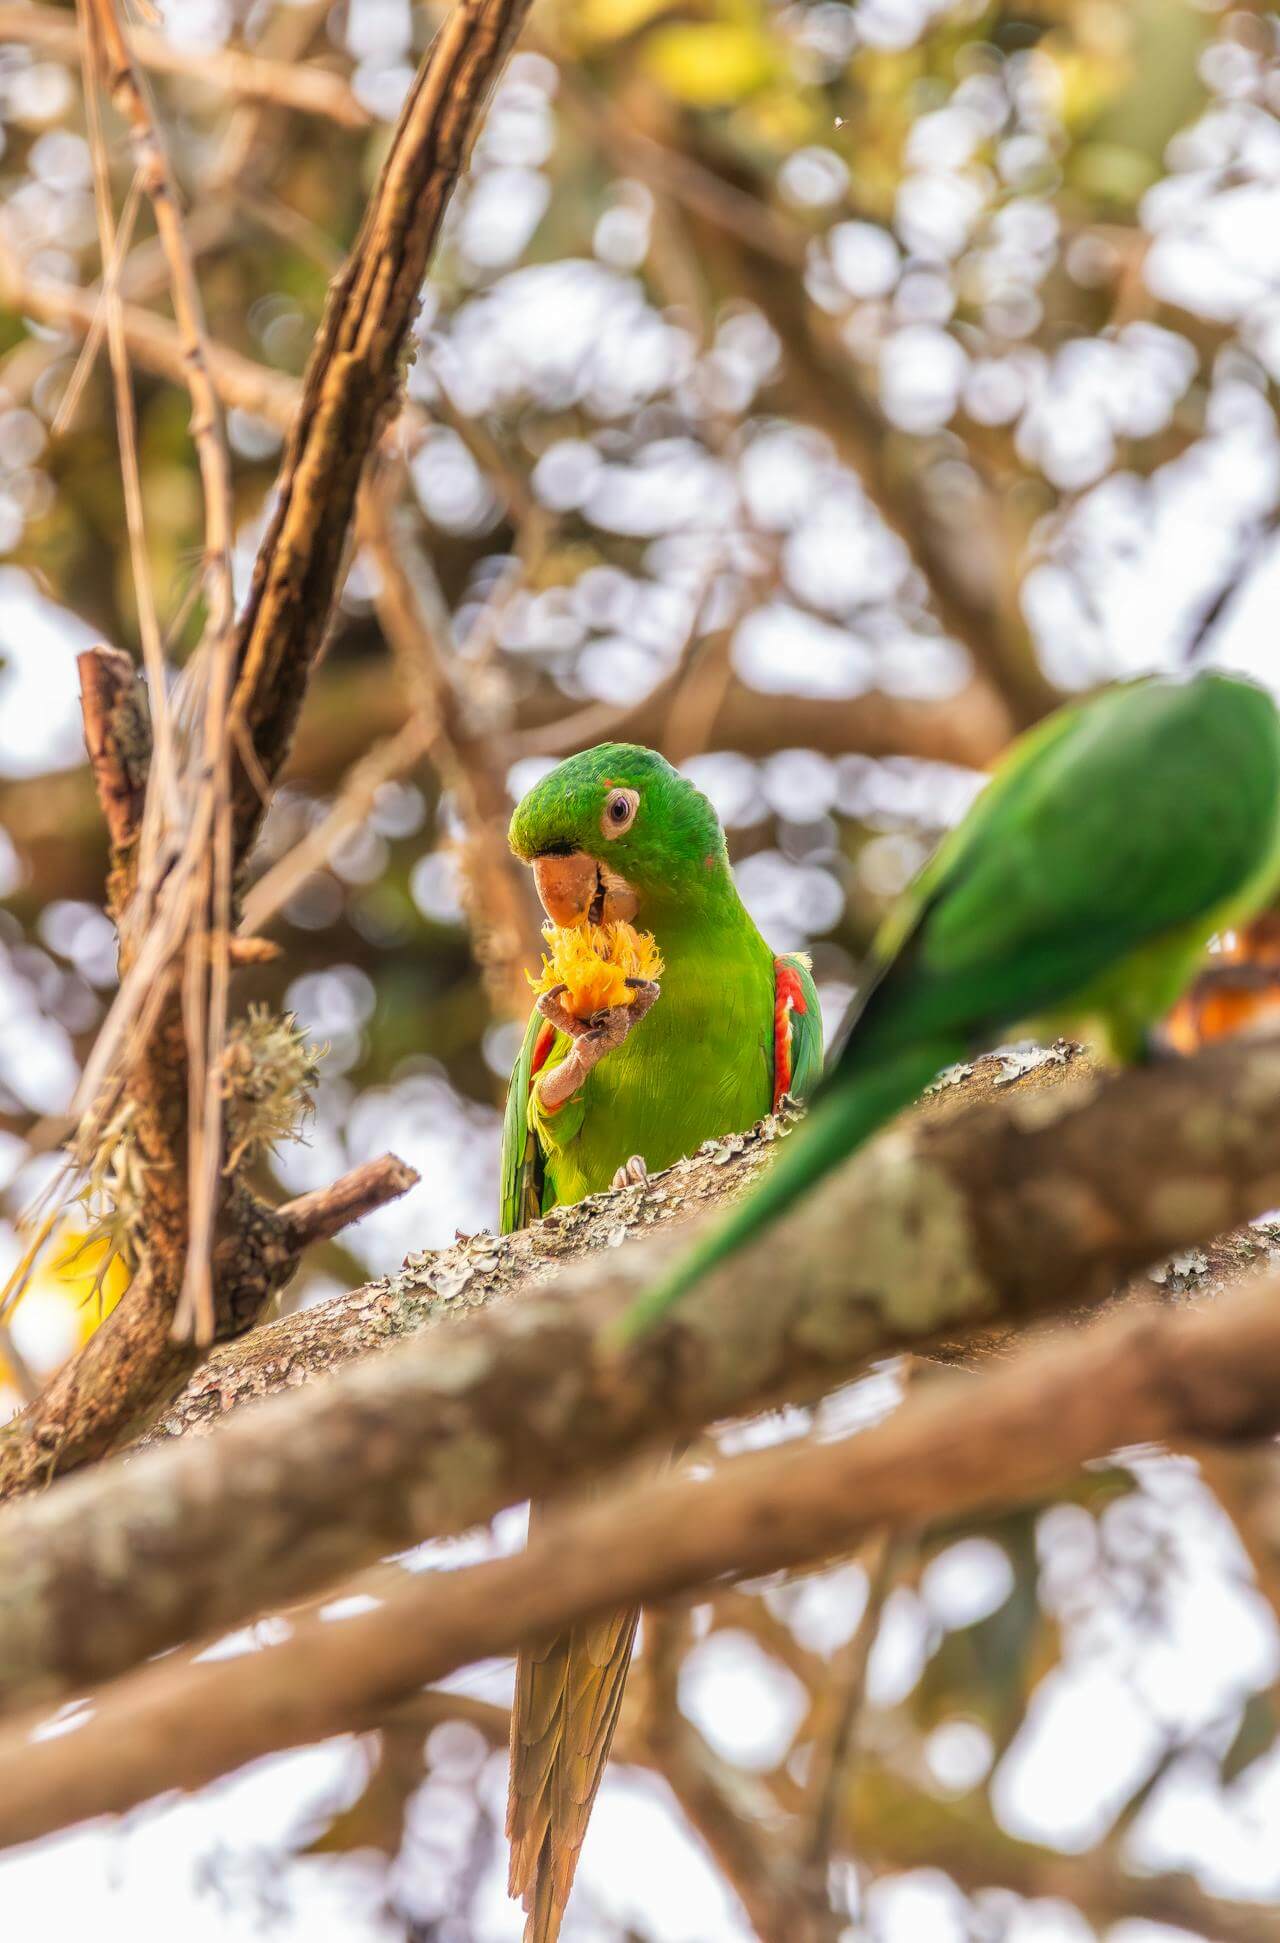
column 541, row 1047
column 788, row 997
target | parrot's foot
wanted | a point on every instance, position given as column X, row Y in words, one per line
column 632, row 1173
column 592, row 1038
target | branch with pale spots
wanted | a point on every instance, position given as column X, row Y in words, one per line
column 962, row 1446
column 969, row 1224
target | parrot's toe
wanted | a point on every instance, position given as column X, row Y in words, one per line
column 632, row 1173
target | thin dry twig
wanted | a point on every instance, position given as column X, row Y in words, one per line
column 202, row 922
column 326, row 1211
column 470, row 764
column 308, row 89
column 387, row 760
column 830, row 1773
column 414, row 617
column 112, row 247
column 111, row 268
column 154, row 342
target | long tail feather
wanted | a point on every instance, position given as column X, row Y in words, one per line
column 853, row 1106
column 568, row 1692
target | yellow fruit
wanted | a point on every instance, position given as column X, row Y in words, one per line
column 593, row 962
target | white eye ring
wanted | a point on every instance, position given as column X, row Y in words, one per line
column 619, row 811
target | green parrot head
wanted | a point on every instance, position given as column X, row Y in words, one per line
column 618, row 833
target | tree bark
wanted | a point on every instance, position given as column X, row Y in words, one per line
column 953, row 1225
column 961, row 1447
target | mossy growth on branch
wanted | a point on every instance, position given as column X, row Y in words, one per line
column 269, row 1070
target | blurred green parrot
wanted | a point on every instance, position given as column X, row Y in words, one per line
column 617, row 833
column 1078, row 895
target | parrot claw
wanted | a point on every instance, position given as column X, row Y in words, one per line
column 632, row 1173
column 592, row 1038
column 548, row 1004
column 647, row 993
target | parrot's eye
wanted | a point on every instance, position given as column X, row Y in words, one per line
column 619, row 813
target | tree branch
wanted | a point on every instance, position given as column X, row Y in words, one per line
column 117, row 737
column 349, row 388
column 891, row 1826
column 963, row 1222
column 324, row 1213
column 154, row 342
column 958, row 1448
column 501, row 909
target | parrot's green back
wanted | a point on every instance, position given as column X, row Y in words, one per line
column 1081, row 890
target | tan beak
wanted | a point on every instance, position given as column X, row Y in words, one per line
column 576, row 889
column 567, row 886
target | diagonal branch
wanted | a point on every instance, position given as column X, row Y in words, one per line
column 963, row 1223
column 501, row 908
column 964, row 1446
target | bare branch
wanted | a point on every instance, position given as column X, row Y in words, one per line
column 964, row 1222
column 734, row 1815
column 501, row 908
column 834, row 1756
column 154, row 342
column 395, row 756
column 188, row 309
column 205, row 983
column 117, row 739
column 321, row 1215
column 891, row 1826
column 1246, row 1484
column 957, row 1448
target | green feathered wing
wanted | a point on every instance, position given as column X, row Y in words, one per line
column 521, row 1167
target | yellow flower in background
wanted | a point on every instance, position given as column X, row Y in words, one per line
column 70, row 1291
column 593, row 962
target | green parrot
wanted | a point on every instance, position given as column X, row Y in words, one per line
column 618, row 833
column 1078, row 895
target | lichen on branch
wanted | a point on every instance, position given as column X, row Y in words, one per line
column 1046, row 1197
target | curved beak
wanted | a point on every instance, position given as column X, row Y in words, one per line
column 574, row 889
column 568, row 886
